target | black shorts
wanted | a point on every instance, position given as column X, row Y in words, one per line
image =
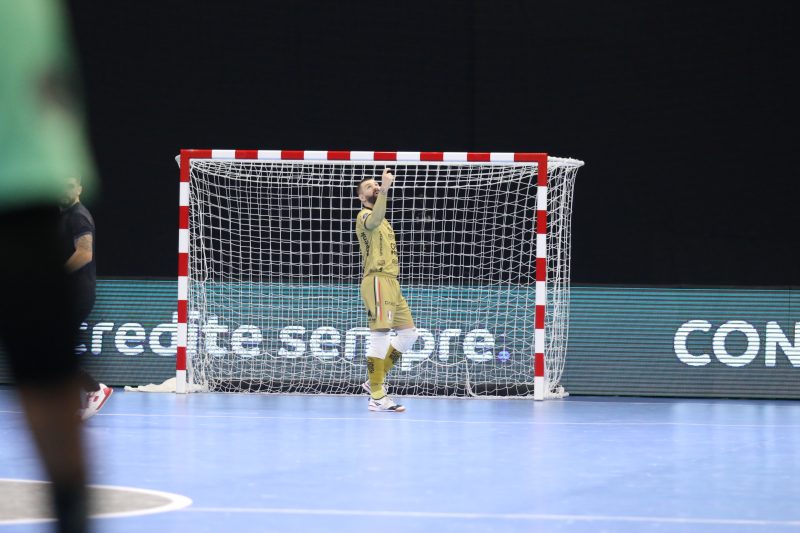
column 37, row 314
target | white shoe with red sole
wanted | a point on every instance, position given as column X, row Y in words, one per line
column 95, row 400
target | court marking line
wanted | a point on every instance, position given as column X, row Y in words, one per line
column 497, row 516
column 572, row 400
column 401, row 418
column 176, row 502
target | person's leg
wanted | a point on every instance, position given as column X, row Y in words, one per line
column 51, row 413
column 379, row 342
column 95, row 393
column 375, row 292
column 35, row 328
column 88, row 383
column 82, row 306
column 379, row 325
column 403, row 324
column 406, row 337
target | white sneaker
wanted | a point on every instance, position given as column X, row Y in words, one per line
column 385, row 404
column 95, row 400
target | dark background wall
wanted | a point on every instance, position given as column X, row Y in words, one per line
column 680, row 109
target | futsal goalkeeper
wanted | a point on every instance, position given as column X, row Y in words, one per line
column 387, row 309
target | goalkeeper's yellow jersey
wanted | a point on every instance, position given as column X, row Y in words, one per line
column 378, row 246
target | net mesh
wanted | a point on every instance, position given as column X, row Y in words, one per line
column 275, row 268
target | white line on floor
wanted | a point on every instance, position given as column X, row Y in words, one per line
column 498, row 516
column 173, row 502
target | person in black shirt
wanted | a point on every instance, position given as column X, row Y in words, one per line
column 77, row 240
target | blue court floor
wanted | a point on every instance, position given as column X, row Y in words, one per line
column 324, row 463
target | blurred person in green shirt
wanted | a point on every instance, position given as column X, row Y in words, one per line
column 42, row 143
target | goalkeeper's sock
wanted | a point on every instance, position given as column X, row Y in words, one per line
column 376, row 374
column 392, row 356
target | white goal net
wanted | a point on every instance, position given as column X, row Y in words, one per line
column 274, row 270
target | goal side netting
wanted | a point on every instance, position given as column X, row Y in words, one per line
column 270, row 269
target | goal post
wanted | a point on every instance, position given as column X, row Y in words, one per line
column 269, row 271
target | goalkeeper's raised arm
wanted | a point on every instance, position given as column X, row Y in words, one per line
column 374, row 196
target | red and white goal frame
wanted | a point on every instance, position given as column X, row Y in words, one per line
column 540, row 159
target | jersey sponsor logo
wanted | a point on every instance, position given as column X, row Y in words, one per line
column 365, row 241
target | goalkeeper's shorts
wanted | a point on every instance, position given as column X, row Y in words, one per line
column 386, row 306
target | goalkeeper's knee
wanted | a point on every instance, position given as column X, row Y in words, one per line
column 378, row 344
column 405, row 339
